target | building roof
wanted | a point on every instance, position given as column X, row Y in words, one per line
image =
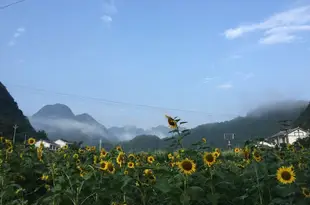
column 283, row 133
column 66, row 141
column 50, row 142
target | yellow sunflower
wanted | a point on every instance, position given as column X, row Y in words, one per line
column 257, row 156
column 204, row 140
column 286, row 175
column 88, row 148
column 110, row 168
column 125, row 172
column 119, row 148
column 171, row 122
column 131, row 156
column 120, row 158
column 131, row 165
column 209, row 158
column 305, row 192
column 75, row 156
column 93, row 148
column 9, row 150
column 65, row 147
column 187, row 166
column 103, row 165
column 103, row 153
column 246, row 153
column 31, row 141
column 147, row 172
column 237, row 150
column 95, row 159
column 216, row 154
column 81, row 151
column 150, row 159
column 44, row 177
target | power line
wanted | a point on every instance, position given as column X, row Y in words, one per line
column 103, row 100
column 11, row 4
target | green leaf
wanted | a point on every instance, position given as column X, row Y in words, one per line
column 187, row 130
column 126, row 181
column 162, row 185
column 213, row 198
column 195, row 192
column 184, row 199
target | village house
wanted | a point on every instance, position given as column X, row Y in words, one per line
column 62, row 142
column 47, row 144
column 289, row 137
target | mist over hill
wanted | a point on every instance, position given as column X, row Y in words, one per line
column 261, row 122
column 59, row 121
column 277, row 107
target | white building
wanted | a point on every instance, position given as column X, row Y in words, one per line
column 289, row 137
column 266, row 144
column 47, row 144
column 62, row 142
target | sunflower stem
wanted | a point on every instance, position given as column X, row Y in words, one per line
column 258, row 185
column 211, row 177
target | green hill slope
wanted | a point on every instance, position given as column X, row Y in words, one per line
column 10, row 115
column 303, row 120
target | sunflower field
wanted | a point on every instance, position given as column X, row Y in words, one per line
column 247, row 175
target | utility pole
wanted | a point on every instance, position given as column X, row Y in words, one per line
column 99, row 144
column 15, row 128
column 229, row 137
column 25, row 138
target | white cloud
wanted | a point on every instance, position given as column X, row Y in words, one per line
column 225, row 86
column 106, row 19
column 207, row 79
column 282, row 27
column 19, row 31
column 109, row 9
column 16, row 35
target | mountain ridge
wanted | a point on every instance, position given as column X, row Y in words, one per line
column 58, row 119
column 261, row 122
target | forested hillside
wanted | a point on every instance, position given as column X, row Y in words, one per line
column 10, row 114
column 303, row 120
column 260, row 123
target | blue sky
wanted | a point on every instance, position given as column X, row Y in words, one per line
column 212, row 59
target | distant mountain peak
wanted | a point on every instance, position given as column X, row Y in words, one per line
column 55, row 111
column 58, row 119
column 86, row 118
